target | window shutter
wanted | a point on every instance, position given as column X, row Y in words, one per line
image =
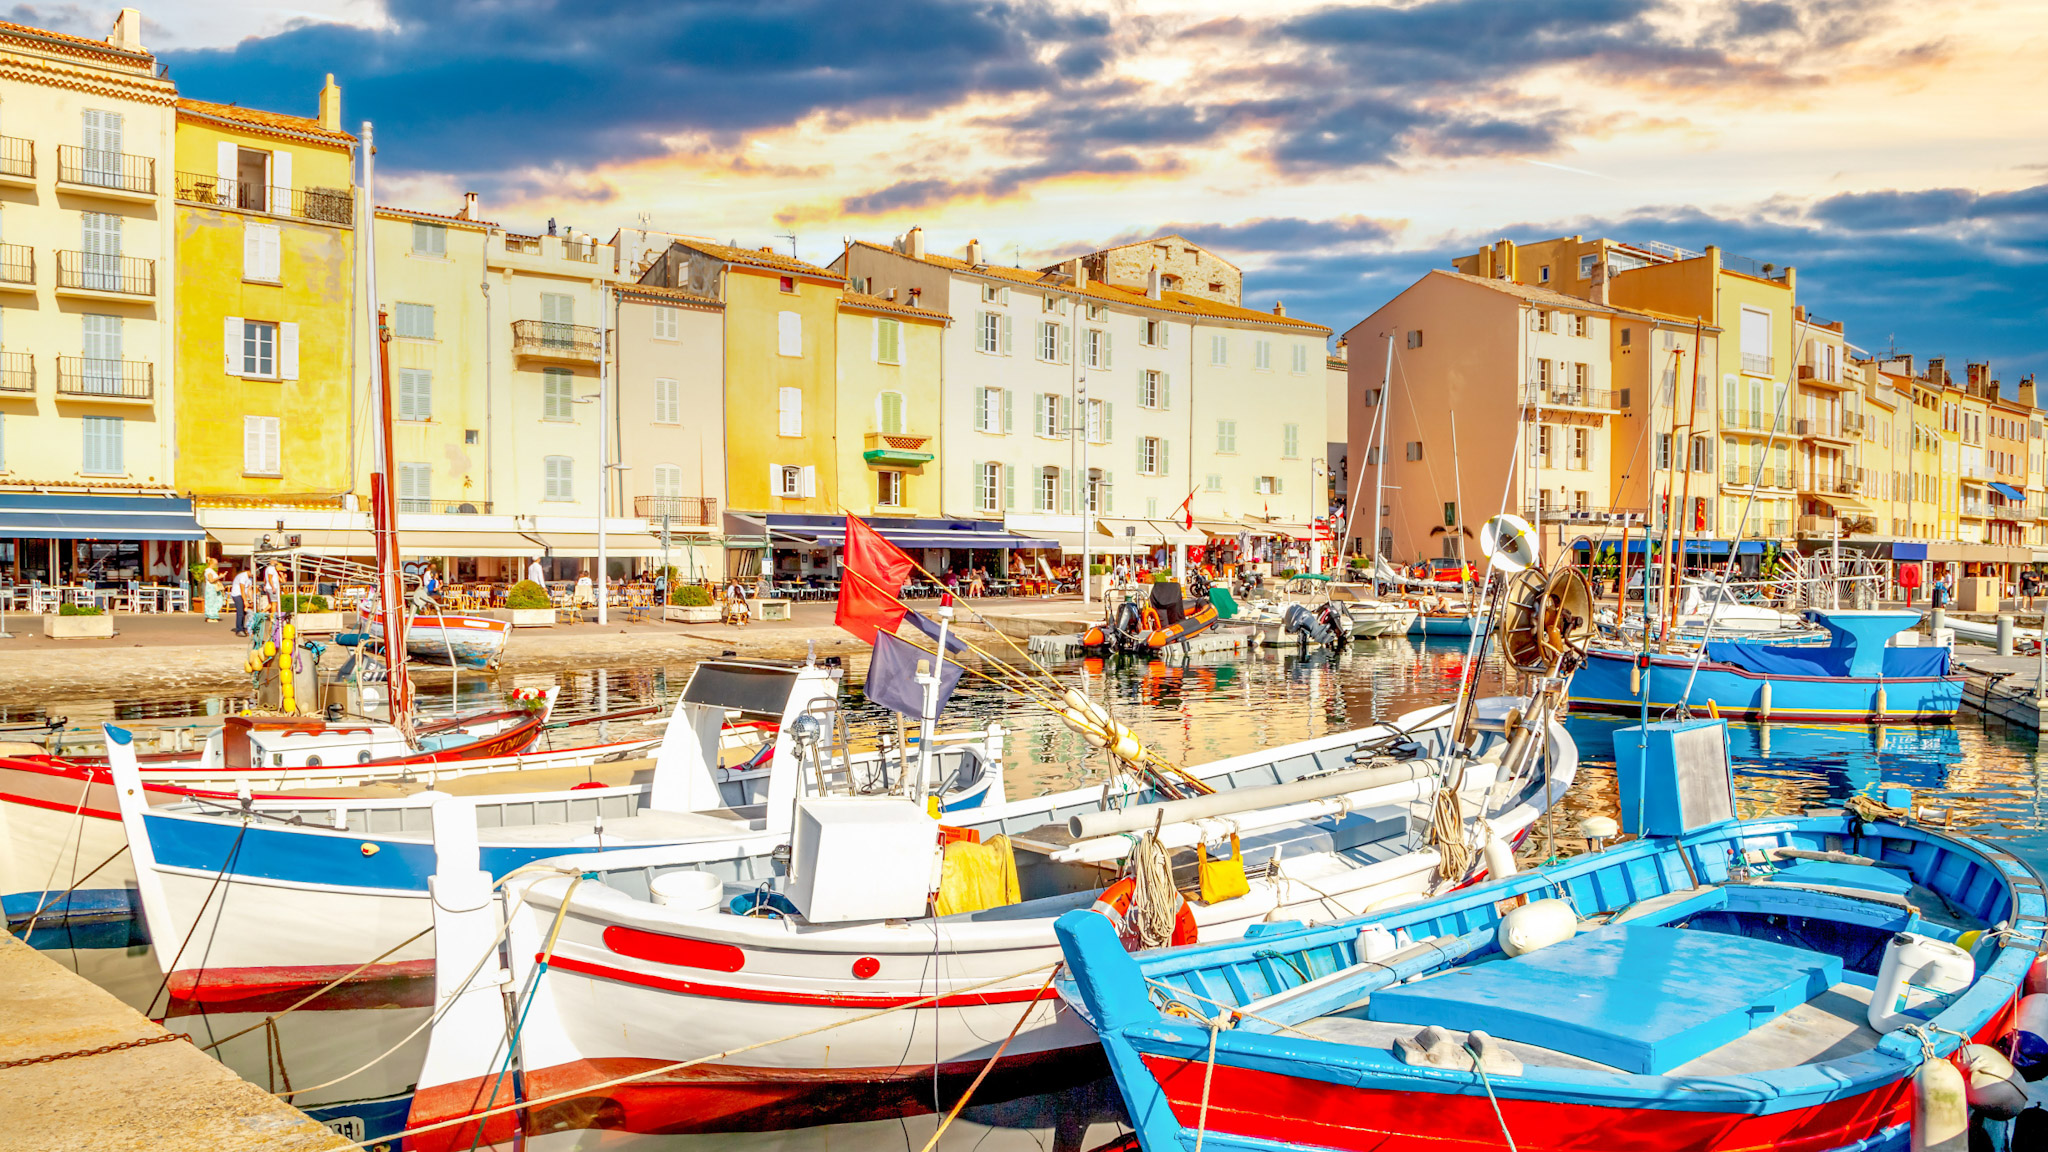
column 789, row 334
column 1065, row 344
column 1108, row 410
column 1006, row 345
column 1105, row 349
column 1066, row 415
column 288, row 351
column 791, row 402
column 1067, row 493
column 1006, row 409
column 774, row 479
column 1009, row 487
column 231, row 346
column 281, row 182
column 226, row 159
column 1277, row 485
column 810, row 480
column 1165, row 465
column 1166, row 390
column 273, row 253
column 1108, row 491
column 252, row 443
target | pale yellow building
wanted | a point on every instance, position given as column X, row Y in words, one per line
column 890, row 388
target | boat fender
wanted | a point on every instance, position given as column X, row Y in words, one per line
column 1093, row 638
column 1500, row 859
column 1881, row 708
column 1115, row 903
column 1537, row 924
column 1916, row 978
column 1635, row 679
column 1599, row 828
column 1941, row 1113
column 2027, row 1044
column 1763, row 701
column 1995, row 1087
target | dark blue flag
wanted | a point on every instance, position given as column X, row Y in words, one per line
column 892, row 674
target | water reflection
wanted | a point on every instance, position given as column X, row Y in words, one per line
column 1214, row 707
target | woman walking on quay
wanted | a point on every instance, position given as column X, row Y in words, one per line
column 210, row 583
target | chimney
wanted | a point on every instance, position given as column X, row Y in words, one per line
column 1600, row 280
column 1152, row 284
column 1937, row 371
column 1979, row 378
column 889, row 295
column 330, row 105
column 127, row 33
column 1079, row 271
column 469, row 209
column 913, row 243
column 1341, row 352
column 974, row 252
column 1504, row 260
column 2027, row 391
column 1279, row 309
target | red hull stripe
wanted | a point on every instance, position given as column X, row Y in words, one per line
column 1302, row 1112
column 729, row 1098
column 402, row 984
column 780, row 996
column 679, row 951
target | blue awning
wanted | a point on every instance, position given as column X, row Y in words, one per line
column 48, row 516
column 2009, row 492
column 1704, row 547
column 797, row 530
column 1909, row 550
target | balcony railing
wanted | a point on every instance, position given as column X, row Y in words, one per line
column 323, row 205
column 1821, row 429
column 1756, row 365
column 690, row 510
column 121, row 171
column 1813, row 525
column 100, row 272
column 1555, row 397
column 1745, row 476
column 17, row 157
column 545, row 340
column 17, row 372
column 17, row 264
column 1853, row 423
column 112, row 379
column 1745, row 420
column 1550, row 515
column 412, row 506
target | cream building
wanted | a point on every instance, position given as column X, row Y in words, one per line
column 670, row 361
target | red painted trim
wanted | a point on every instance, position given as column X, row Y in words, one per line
column 401, row 984
column 1300, row 1112
column 779, row 996
column 680, row 951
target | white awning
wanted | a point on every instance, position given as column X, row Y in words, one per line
column 1150, row 533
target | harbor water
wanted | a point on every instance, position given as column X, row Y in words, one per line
column 1989, row 778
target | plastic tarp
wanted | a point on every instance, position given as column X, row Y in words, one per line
column 1831, row 662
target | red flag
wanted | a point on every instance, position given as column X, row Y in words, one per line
column 873, row 572
column 1187, row 509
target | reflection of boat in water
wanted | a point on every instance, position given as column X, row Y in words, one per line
column 1167, row 617
column 1856, row 676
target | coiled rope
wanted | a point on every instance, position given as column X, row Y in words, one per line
column 1155, row 902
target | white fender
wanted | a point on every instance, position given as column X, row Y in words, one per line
column 1537, row 924
column 1500, row 859
column 1763, row 701
column 1995, row 1087
column 1941, row 1112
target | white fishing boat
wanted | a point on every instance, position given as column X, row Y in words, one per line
column 449, row 638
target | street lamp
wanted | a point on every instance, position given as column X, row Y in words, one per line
column 604, row 501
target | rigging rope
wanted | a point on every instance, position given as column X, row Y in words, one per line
column 1155, row 902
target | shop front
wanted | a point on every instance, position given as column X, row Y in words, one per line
column 91, row 544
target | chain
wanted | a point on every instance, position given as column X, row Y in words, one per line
column 104, row 1048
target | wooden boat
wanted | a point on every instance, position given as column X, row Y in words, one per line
column 1856, row 677
column 447, row 638
column 1794, row 983
column 638, row 978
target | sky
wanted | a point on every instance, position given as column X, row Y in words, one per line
column 1895, row 152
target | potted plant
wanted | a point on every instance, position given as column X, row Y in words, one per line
column 78, row 622
column 529, row 606
column 690, row 604
column 312, row 614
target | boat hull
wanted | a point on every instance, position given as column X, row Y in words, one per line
column 1609, row 682
column 1428, row 624
column 469, row 641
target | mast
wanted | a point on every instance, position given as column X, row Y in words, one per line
column 383, row 493
column 1379, row 470
column 1665, row 582
column 1692, row 408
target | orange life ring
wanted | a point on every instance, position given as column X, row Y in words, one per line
column 1115, row 903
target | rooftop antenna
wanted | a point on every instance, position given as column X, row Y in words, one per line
column 791, row 237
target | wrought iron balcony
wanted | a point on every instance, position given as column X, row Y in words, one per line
column 1747, row 476
column 1821, row 429
column 17, row 158
column 1756, row 365
column 682, row 510
column 98, row 379
column 17, row 372
column 100, row 272
column 1553, row 396
column 1747, row 420
column 17, row 264
column 545, row 340
column 122, row 172
column 321, row 205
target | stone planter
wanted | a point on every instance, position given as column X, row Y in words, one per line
column 316, row 623
column 77, row 627
column 691, row 614
column 531, row 617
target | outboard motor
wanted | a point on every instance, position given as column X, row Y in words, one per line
column 1337, row 619
column 1299, row 621
column 1125, row 626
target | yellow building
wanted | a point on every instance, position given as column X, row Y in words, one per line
column 266, row 276
column 888, row 400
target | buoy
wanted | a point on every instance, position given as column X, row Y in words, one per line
column 1537, row 924
column 1713, row 710
column 1635, row 679
column 1917, row 972
column 1994, row 1086
column 1500, row 859
column 1941, row 1111
column 2027, row 1044
column 1763, row 702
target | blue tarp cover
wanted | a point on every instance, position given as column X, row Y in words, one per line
column 1785, row 660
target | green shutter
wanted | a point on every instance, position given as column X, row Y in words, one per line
column 1009, row 488
column 1165, row 456
column 1006, row 409
column 1108, row 491
column 1108, row 409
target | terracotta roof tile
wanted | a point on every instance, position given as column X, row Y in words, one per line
column 85, row 42
column 867, row 303
column 754, row 257
column 1540, row 295
column 679, row 295
column 480, row 225
column 1179, row 303
column 257, row 118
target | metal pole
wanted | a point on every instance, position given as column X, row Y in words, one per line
column 604, row 449
column 1379, row 468
column 1087, row 491
column 929, row 676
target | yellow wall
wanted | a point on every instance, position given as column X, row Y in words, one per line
column 862, row 379
column 755, row 374
column 461, row 472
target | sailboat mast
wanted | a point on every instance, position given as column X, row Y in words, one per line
column 383, row 494
column 1379, row 470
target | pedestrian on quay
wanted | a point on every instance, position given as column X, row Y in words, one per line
column 1938, row 596
column 535, row 573
column 241, row 590
column 212, row 587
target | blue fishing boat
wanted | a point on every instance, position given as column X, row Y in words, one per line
column 1804, row 982
column 1855, row 677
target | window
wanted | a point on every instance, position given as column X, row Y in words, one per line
column 668, row 401
column 412, row 321
column 1265, row 485
column 100, row 237
column 100, row 337
column 1151, row 389
column 260, row 253
column 1052, row 341
column 429, row 239
column 992, row 410
column 248, row 172
column 561, row 478
column 1663, row 450
column 1098, row 311
column 1300, row 359
column 1226, row 436
column 1155, row 333
column 988, row 481
column 1756, row 342
column 415, row 487
column 787, row 284
column 792, row 481
column 1581, row 447
column 1048, row 489
column 1626, row 335
column 260, row 446
column 1219, row 349
column 1543, row 274
column 259, row 348
column 1543, row 445
column 1097, row 348
column 1540, row 371
column 1048, row 303
column 1539, row 320
column 789, row 405
column 1581, row 376
column 415, row 394
column 889, row 418
column 1450, row 513
column 1101, row 498
column 100, row 137
column 889, row 489
column 1151, row 456
column 1098, row 413
column 667, row 323
column 1290, row 441
column 102, row 454
column 668, row 482
column 993, row 335
column 1050, row 407
column 1414, row 449
column 1262, row 355
column 1213, row 482
column 789, row 334
column 1580, row 325
column 888, row 341
column 1586, row 265
column 1415, row 337
column 557, row 394
column 990, row 294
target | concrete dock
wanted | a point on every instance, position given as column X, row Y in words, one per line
column 162, row 1097
column 2007, row 687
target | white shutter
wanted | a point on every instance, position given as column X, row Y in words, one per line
column 774, row 480
column 1144, row 455
column 273, row 254
column 1061, row 335
column 288, row 351
column 280, row 183
column 1105, row 349
column 1108, row 410
column 789, row 334
column 231, row 346
column 1164, row 463
column 252, row 251
column 1165, row 390
column 252, row 443
column 810, row 480
column 791, row 409
column 227, row 158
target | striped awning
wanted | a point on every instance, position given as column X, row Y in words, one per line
column 50, row 516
